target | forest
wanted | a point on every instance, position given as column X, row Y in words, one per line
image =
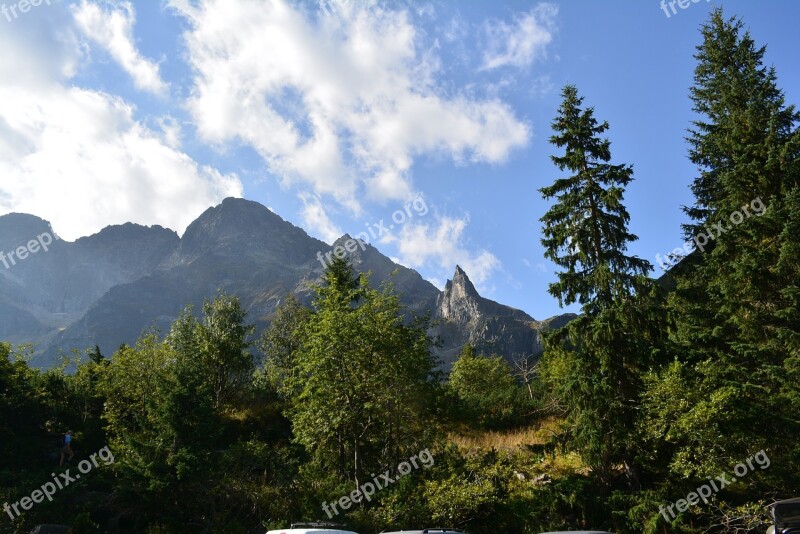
column 667, row 406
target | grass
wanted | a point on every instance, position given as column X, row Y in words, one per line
column 507, row 440
column 516, row 442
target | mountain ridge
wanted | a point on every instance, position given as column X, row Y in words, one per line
column 133, row 277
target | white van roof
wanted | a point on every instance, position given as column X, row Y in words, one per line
column 310, row 531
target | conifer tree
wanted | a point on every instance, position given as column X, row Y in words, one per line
column 594, row 363
column 736, row 306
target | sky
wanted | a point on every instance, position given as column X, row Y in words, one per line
column 423, row 123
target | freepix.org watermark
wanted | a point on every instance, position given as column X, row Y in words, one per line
column 713, row 486
column 23, row 6
column 702, row 239
column 683, row 4
column 60, row 481
column 332, row 7
column 376, row 231
column 368, row 489
column 22, row 252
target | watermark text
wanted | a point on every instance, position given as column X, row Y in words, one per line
column 60, row 481
column 368, row 489
column 22, row 252
column 702, row 239
column 713, row 486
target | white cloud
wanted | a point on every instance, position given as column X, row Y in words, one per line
column 113, row 30
column 171, row 131
column 316, row 219
column 442, row 244
column 80, row 159
column 39, row 47
column 522, row 42
column 341, row 104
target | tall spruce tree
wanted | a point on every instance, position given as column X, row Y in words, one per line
column 736, row 307
column 595, row 362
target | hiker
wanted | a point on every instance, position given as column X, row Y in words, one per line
column 67, row 449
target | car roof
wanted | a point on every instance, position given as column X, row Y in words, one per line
column 427, row 530
column 310, row 531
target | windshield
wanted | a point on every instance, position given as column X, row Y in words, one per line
column 787, row 512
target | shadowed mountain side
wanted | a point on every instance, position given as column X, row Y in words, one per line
column 55, row 286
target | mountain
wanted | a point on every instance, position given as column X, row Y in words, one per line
column 107, row 288
column 467, row 318
column 52, row 288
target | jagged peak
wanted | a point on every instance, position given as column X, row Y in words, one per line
column 461, row 281
column 113, row 231
column 238, row 207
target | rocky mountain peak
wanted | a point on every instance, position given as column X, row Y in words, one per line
column 357, row 251
column 226, row 221
column 460, row 300
column 492, row 328
column 461, row 287
column 237, row 228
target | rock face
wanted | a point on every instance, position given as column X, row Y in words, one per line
column 465, row 317
column 107, row 288
column 51, row 289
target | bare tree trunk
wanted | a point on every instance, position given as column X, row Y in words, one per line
column 357, row 459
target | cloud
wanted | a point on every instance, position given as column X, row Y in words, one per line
column 522, row 42
column 113, row 30
column 341, row 103
column 79, row 157
column 39, row 47
column 316, row 219
column 171, row 131
column 442, row 243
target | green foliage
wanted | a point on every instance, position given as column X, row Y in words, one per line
column 360, row 391
column 593, row 364
column 586, row 232
column 735, row 307
column 282, row 340
column 223, row 348
column 166, row 404
column 20, row 408
column 485, row 387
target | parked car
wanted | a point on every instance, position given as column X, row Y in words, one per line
column 786, row 517
column 428, row 531
column 312, row 528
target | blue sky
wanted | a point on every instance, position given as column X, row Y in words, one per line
column 337, row 113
